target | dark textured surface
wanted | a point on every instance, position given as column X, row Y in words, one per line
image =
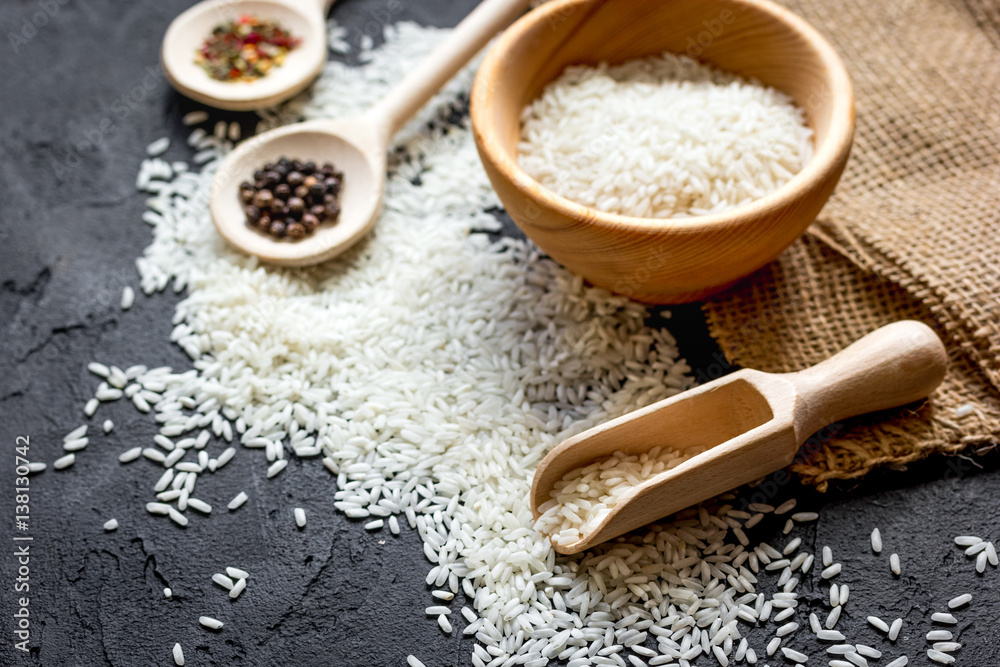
column 331, row 594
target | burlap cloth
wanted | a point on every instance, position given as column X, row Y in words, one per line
column 913, row 230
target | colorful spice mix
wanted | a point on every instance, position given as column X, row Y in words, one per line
column 245, row 49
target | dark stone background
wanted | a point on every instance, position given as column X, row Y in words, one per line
column 332, row 594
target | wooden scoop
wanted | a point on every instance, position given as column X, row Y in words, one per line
column 751, row 424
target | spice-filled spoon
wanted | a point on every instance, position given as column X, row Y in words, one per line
column 305, row 20
column 357, row 146
column 748, row 424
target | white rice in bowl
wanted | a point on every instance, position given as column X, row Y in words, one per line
column 662, row 137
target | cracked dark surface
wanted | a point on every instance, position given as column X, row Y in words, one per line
column 332, row 594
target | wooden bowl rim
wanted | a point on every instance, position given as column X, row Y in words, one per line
column 824, row 162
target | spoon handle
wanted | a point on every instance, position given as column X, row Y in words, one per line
column 892, row 366
column 465, row 41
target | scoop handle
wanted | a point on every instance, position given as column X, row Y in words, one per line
column 465, row 41
column 892, row 366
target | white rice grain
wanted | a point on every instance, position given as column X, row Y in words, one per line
column 876, row 541
column 128, row 297
column 794, row 656
column 237, row 501
column 276, row 467
column 158, row 147
column 830, row 572
column 938, row 656
column 879, row 623
column 64, row 462
column 238, row 588
column 959, row 601
column 444, row 623
column 210, row 623
column 98, row 369
column 894, row 629
column 194, row 117
column 199, row 505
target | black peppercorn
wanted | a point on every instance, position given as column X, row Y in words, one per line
column 294, row 179
column 296, row 206
column 263, row 199
column 253, row 213
column 317, row 210
column 272, row 178
column 332, row 185
column 264, row 223
column 333, row 211
column 301, row 192
column 295, row 231
column 282, row 191
column 317, row 190
column 277, row 228
column 310, row 222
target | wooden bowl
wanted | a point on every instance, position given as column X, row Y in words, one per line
column 663, row 261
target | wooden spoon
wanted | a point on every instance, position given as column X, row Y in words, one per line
column 751, row 424
column 305, row 19
column 357, row 146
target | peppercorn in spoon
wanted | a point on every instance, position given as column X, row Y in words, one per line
column 281, row 43
column 357, row 146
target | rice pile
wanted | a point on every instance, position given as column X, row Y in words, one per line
column 661, row 137
column 584, row 496
column 430, row 370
